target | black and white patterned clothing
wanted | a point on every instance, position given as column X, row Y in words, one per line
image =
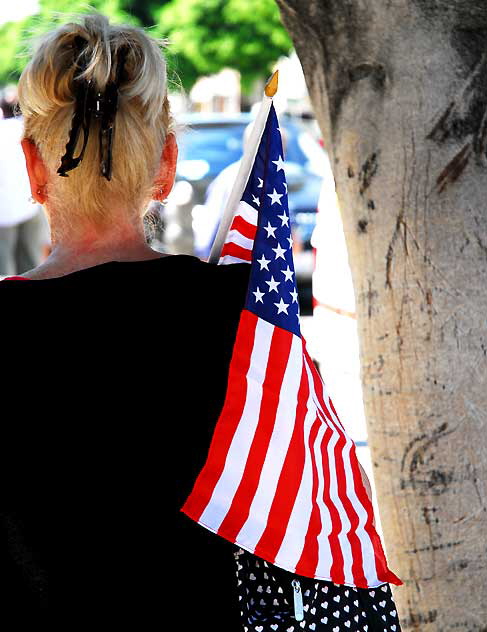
column 271, row 599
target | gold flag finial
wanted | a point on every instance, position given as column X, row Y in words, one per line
column 271, row 86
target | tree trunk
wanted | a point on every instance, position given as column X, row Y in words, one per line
column 399, row 88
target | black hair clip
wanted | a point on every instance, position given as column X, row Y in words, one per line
column 106, row 106
column 102, row 105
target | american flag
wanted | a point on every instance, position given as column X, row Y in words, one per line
column 282, row 478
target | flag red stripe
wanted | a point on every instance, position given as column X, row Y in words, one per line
column 288, row 483
column 229, row 418
column 244, row 227
column 318, row 390
column 309, row 555
column 334, row 411
column 355, row 544
column 336, row 570
column 236, row 251
column 357, row 566
column 242, row 500
column 383, row 573
column 318, row 387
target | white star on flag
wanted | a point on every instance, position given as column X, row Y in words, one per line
column 279, row 252
column 261, row 183
column 255, row 200
column 273, row 285
column 279, row 163
column 281, row 306
column 294, row 296
column 270, row 230
column 284, row 218
column 291, row 242
column 275, row 197
column 258, row 295
column 263, row 263
column 288, row 274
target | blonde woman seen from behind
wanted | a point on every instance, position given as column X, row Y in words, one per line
column 132, row 350
column 94, row 219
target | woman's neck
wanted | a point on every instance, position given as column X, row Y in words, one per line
column 91, row 248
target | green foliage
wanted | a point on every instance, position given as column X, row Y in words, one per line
column 208, row 35
column 143, row 10
column 205, row 35
column 15, row 37
column 10, row 63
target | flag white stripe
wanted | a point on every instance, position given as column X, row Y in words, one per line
column 368, row 556
column 282, row 432
column 335, row 499
column 293, row 542
column 325, row 558
column 234, row 236
column 326, row 401
column 326, row 397
column 231, row 259
column 334, row 495
column 247, row 212
column 228, row 483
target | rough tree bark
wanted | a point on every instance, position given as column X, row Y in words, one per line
column 399, row 88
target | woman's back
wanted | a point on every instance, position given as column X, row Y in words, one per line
column 116, row 372
column 116, row 377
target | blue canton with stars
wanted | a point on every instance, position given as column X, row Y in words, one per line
column 272, row 293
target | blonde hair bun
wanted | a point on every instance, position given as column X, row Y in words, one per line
column 47, row 98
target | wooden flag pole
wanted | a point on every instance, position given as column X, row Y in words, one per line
column 246, row 163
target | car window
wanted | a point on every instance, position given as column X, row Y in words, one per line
column 219, row 144
column 303, row 149
column 317, row 161
column 292, row 149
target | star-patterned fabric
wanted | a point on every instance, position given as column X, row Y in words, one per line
column 282, row 479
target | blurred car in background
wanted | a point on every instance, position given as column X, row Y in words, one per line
column 208, row 143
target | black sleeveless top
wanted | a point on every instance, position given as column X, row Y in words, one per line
column 114, row 377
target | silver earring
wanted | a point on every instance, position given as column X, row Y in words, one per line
column 31, row 200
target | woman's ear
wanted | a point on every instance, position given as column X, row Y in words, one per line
column 167, row 169
column 36, row 170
